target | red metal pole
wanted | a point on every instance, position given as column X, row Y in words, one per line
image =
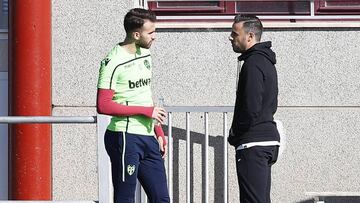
column 30, row 95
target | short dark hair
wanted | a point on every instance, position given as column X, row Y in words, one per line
column 135, row 18
column 251, row 23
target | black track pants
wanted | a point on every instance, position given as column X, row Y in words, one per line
column 253, row 166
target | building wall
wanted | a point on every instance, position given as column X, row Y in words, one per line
column 3, row 137
column 3, row 105
column 318, row 101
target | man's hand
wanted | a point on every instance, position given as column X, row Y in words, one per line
column 159, row 114
column 161, row 139
column 163, row 146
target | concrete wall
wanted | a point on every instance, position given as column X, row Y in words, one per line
column 319, row 101
column 3, row 111
column 3, row 137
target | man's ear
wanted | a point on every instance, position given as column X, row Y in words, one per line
column 136, row 35
column 251, row 36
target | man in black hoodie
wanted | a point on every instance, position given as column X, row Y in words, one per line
column 253, row 132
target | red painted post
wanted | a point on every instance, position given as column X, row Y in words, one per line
column 30, row 175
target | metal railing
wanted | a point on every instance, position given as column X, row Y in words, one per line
column 105, row 186
column 47, row 119
column 206, row 110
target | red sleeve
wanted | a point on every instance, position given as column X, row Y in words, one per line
column 159, row 132
column 105, row 105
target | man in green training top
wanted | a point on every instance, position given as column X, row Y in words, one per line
column 135, row 145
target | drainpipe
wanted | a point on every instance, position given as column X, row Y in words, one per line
column 30, row 175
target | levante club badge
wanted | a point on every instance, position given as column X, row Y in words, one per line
column 130, row 169
column 147, row 64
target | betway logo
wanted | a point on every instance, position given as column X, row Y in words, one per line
column 139, row 83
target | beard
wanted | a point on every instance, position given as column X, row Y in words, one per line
column 239, row 45
column 237, row 49
column 144, row 44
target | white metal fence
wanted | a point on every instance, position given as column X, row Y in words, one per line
column 104, row 168
column 105, row 186
column 206, row 111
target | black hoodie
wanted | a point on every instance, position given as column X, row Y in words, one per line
column 256, row 97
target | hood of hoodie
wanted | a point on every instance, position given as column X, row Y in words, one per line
column 262, row 48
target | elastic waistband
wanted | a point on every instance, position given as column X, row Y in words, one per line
column 253, row 144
